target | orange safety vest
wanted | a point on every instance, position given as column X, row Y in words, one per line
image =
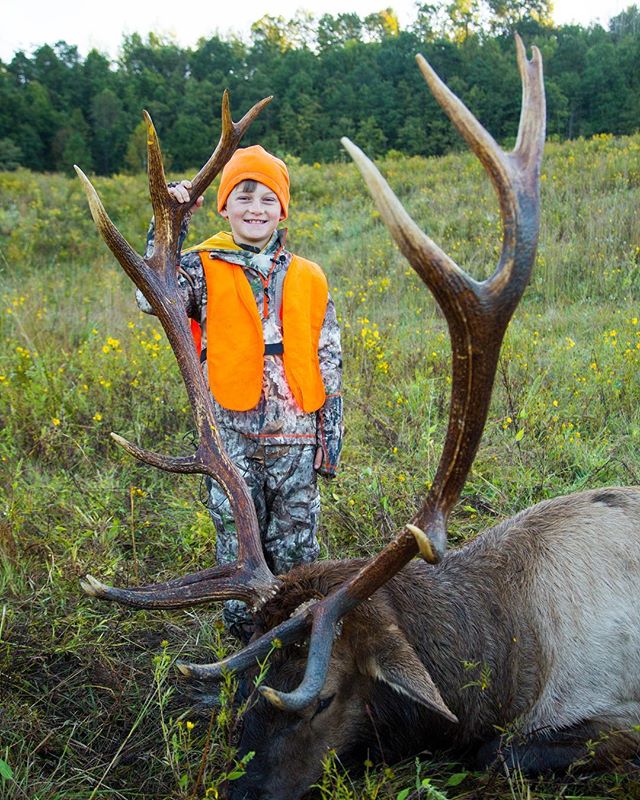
column 235, row 342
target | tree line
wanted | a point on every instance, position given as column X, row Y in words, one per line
column 331, row 76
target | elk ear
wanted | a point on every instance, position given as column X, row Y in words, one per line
column 396, row 663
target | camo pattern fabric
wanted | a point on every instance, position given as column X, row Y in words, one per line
column 284, row 489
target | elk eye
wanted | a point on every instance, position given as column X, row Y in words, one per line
column 323, row 703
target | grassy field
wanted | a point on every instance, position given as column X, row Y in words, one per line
column 90, row 704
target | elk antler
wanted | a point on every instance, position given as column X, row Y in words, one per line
column 249, row 578
column 477, row 313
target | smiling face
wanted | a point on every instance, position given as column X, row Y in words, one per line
column 253, row 211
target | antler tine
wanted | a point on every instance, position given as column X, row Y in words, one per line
column 232, row 133
column 115, row 241
column 287, row 632
column 515, row 175
column 477, row 314
column 424, row 255
column 249, row 578
column 218, row 583
column 531, row 129
column 168, row 213
column 325, row 618
column 322, row 617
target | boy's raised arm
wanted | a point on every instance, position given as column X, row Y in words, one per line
column 187, row 282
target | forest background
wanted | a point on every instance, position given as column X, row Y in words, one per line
column 331, row 75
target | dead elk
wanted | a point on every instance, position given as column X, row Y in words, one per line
column 523, row 644
column 530, row 629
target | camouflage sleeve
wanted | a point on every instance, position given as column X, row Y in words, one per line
column 329, row 429
column 190, row 274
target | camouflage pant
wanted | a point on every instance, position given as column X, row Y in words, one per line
column 284, row 489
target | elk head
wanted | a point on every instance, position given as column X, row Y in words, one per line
column 328, row 707
column 374, row 673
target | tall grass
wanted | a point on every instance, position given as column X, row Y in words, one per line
column 90, row 706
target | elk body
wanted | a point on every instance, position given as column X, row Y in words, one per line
column 523, row 643
column 529, row 635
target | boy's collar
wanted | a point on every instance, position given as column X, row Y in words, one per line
column 273, row 246
column 275, row 243
column 224, row 241
column 249, row 247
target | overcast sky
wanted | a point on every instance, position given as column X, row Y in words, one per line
column 26, row 24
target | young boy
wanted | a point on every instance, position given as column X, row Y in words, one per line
column 270, row 349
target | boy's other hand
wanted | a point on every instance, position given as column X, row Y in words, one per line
column 321, row 466
column 180, row 191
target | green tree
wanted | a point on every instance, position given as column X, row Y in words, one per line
column 10, row 155
column 155, row 71
column 222, row 62
column 626, row 23
column 195, row 130
column 370, row 137
column 38, row 125
column 96, row 76
column 430, row 22
column 135, row 158
column 508, row 15
column 382, row 24
column 330, row 76
column 565, row 70
column 301, row 30
column 108, row 122
column 59, row 70
column 625, row 30
column 464, row 19
column 603, row 90
column 338, row 30
column 269, row 33
column 71, row 145
column 10, row 102
column 412, row 137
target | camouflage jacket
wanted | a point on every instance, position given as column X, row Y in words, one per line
column 277, row 418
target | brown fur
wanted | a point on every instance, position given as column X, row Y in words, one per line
column 516, row 631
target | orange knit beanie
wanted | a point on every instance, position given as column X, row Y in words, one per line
column 255, row 164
